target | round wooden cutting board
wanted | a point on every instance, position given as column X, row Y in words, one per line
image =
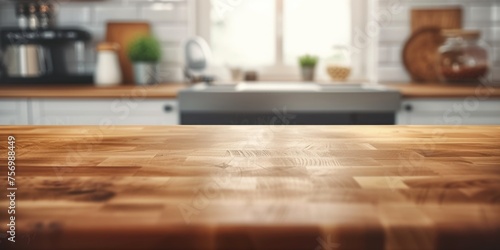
column 420, row 54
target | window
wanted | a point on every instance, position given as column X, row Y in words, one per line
column 244, row 34
column 270, row 35
column 314, row 26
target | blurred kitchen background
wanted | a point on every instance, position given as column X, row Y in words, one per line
column 263, row 40
column 252, row 23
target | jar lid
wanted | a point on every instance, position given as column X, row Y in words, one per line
column 108, row 46
column 471, row 34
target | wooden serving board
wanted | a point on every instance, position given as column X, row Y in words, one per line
column 442, row 18
column 249, row 187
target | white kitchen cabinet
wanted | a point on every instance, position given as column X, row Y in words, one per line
column 14, row 112
column 120, row 111
column 450, row 111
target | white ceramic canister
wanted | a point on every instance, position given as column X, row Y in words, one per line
column 108, row 72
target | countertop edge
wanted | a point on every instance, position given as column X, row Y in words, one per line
column 170, row 91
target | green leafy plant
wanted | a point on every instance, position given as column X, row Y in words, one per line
column 145, row 49
column 308, row 61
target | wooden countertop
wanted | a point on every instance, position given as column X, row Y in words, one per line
column 245, row 187
column 154, row 91
column 415, row 90
column 171, row 90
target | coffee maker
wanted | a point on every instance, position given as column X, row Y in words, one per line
column 38, row 53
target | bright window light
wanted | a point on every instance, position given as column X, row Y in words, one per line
column 245, row 33
column 314, row 27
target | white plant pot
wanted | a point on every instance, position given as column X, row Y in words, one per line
column 146, row 73
column 308, row 73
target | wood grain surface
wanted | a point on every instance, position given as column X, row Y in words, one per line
column 420, row 54
column 246, row 187
column 155, row 91
column 440, row 17
column 170, row 90
column 449, row 90
column 420, row 51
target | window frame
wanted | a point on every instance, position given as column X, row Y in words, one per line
column 363, row 60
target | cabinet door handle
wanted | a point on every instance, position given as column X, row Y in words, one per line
column 168, row 108
column 409, row 107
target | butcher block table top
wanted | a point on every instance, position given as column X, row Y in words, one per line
column 249, row 187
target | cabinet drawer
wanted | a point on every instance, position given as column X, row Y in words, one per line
column 124, row 111
column 14, row 112
column 459, row 111
column 105, row 106
column 442, row 105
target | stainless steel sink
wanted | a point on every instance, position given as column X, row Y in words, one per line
column 308, row 99
column 278, row 87
column 287, row 87
column 214, row 88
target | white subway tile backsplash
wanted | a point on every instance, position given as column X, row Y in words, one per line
column 402, row 15
column 392, row 73
column 172, row 55
column 397, row 54
column 171, row 74
column 496, row 34
column 7, row 15
column 384, row 54
column 390, row 15
column 164, row 12
column 487, row 34
column 480, row 13
column 496, row 12
column 487, row 30
column 98, row 32
column 390, row 53
column 104, row 14
column 496, row 55
column 73, row 14
column 394, row 34
column 171, row 34
column 496, row 74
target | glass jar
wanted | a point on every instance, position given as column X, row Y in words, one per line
column 338, row 66
column 463, row 57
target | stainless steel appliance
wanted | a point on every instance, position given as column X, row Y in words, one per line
column 288, row 104
column 45, row 56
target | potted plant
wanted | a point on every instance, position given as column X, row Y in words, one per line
column 308, row 66
column 145, row 53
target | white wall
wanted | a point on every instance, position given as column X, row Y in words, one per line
column 478, row 14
